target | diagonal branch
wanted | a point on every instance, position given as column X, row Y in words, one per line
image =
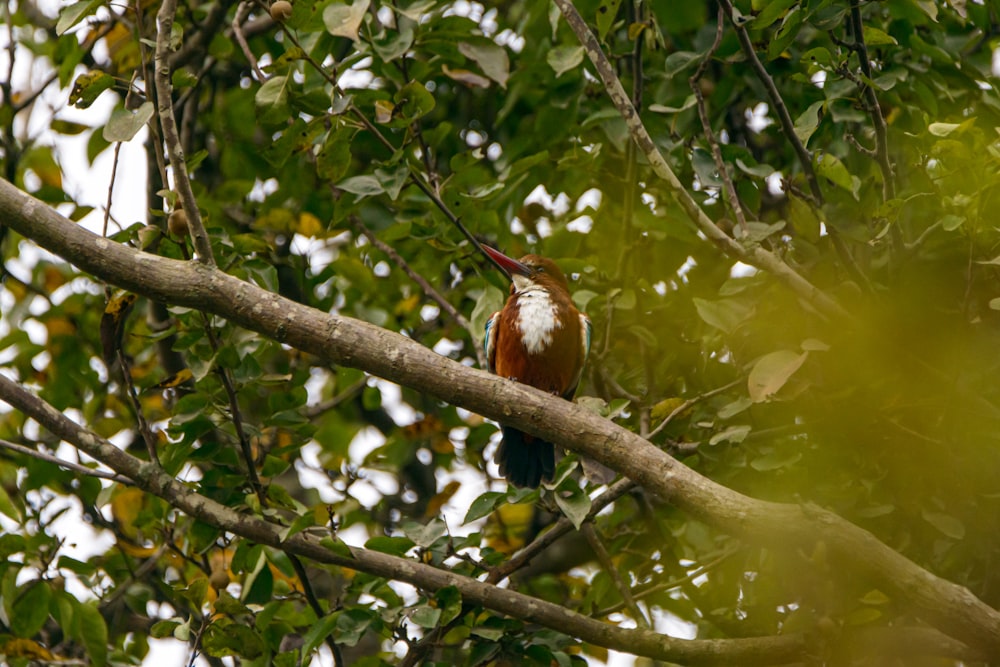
column 947, row 606
column 753, row 255
column 150, row 478
column 165, row 112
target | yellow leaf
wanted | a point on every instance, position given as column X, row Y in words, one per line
column 309, row 225
column 27, row 648
column 666, row 407
column 175, row 380
column 439, row 500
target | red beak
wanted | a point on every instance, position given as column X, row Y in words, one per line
column 510, row 266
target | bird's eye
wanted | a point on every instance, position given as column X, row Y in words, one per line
column 540, row 269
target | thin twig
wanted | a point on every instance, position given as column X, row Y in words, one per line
column 784, row 118
column 551, row 536
column 242, row 11
column 623, row 588
column 300, row 570
column 688, row 404
column 414, row 175
column 753, row 255
column 237, row 416
column 62, row 463
column 329, row 404
column 144, row 429
column 706, row 124
column 641, row 592
column 428, row 289
column 874, row 108
column 165, row 111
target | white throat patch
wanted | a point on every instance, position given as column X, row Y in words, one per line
column 536, row 317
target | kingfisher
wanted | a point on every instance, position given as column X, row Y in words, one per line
column 539, row 339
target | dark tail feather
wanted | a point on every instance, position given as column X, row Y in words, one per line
column 524, row 459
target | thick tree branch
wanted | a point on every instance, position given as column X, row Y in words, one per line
column 151, row 478
column 753, row 254
column 949, row 607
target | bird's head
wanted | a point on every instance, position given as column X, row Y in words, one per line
column 530, row 271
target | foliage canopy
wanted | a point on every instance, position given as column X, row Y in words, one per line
column 788, row 254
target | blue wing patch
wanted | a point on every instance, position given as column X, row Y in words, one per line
column 490, row 342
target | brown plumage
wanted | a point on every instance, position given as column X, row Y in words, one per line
column 542, row 340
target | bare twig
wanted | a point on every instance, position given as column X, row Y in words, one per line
column 644, row 591
column 165, row 111
column 551, row 536
column 428, row 289
column 300, row 570
column 706, row 124
column 688, row 404
column 62, row 463
column 241, row 15
column 874, row 109
column 784, row 118
column 237, row 416
column 414, row 175
column 623, row 588
column 753, row 255
column 144, row 430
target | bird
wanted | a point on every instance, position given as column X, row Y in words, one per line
column 541, row 339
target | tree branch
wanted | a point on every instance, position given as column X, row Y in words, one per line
column 165, row 112
column 753, row 255
column 744, row 651
column 947, row 606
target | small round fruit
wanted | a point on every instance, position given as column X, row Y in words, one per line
column 177, row 223
column 281, row 10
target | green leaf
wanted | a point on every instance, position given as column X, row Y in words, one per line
column 124, row 124
column 30, row 609
column 775, row 460
column 724, row 314
column 425, row 536
column 425, row 616
column 770, row 12
column 735, row 434
column 344, row 20
column 950, row 222
column 272, row 101
column 351, row 625
column 607, row 11
column 770, row 373
column 397, row 546
column 483, row 505
column 413, row 101
column 363, row 186
column 449, row 601
column 318, row 633
column 163, row 629
column 93, row 634
column 946, row 523
column 808, row 121
column 393, row 180
column 875, row 37
column 73, row 14
column 831, row 168
column 575, row 504
column 8, row 508
column 88, row 86
column 491, row 58
column 489, row 302
column 564, row 58
column 943, row 129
